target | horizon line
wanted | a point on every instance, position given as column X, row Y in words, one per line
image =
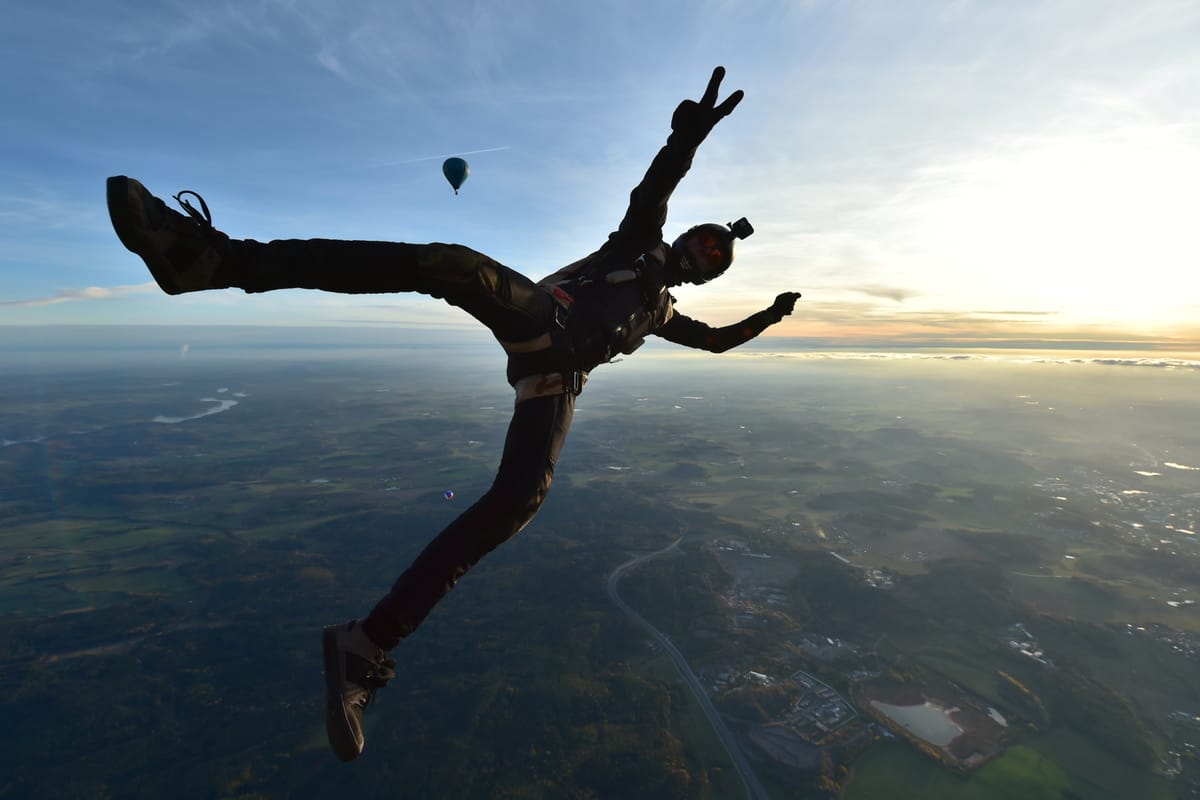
column 769, row 342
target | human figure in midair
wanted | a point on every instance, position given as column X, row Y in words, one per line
column 554, row 331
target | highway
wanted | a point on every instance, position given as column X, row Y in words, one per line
column 754, row 789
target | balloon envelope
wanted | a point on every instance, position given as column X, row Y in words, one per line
column 456, row 171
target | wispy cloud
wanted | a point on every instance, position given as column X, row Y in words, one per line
column 42, row 210
column 996, row 353
column 85, row 294
column 332, row 63
column 889, row 292
column 436, row 158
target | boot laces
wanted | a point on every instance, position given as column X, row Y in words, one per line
column 374, row 677
column 203, row 219
column 203, row 216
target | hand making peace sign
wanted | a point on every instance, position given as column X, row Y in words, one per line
column 697, row 119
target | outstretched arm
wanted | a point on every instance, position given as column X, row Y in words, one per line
column 693, row 333
column 690, row 124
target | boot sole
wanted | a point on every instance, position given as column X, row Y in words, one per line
column 123, row 221
column 336, row 722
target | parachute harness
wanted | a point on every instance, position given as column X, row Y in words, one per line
column 572, row 380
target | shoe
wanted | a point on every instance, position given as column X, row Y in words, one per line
column 354, row 668
column 183, row 253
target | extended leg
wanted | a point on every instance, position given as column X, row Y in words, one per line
column 504, row 300
column 355, row 654
column 535, row 437
column 185, row 253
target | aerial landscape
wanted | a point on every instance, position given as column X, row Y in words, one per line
column 782, row 573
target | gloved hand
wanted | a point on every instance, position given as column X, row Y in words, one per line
column 784, row 304
column 694, row 120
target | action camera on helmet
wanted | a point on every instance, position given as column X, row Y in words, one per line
column 741, row 229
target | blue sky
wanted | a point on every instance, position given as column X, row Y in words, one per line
column 926, row 169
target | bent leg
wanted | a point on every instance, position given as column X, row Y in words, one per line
column 535, row 437
column 504, row 300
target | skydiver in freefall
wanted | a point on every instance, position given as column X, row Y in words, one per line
column 554, row 331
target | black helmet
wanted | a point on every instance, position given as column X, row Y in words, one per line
column 717, row 240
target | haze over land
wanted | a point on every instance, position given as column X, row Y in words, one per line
column 1003, row 538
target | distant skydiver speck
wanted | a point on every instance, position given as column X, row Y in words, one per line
column 554, row 332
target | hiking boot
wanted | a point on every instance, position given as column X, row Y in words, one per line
column 184, row 253
column 354, row 668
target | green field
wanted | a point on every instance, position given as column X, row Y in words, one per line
column 1046, row 770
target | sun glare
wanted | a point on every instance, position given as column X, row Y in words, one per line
column 1091, row 228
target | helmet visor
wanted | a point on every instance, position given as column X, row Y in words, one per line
column 708, row 253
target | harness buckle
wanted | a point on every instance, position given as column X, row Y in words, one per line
column 562, row 306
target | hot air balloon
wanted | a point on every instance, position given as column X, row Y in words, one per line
column 456, row 171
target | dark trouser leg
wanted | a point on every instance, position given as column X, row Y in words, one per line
column 504, row 300
column 535, row 437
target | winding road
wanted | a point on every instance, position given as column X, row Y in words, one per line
column 754, row 789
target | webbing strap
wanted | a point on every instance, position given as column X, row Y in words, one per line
column 551, row 383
